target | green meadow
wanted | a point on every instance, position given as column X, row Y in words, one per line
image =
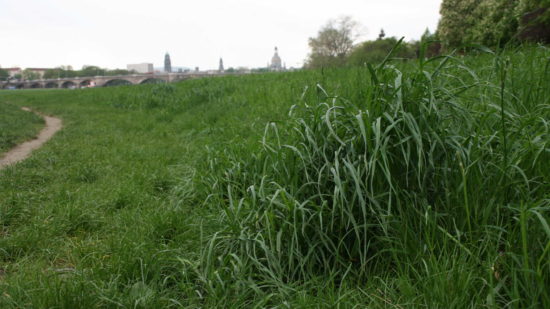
column 417, row 184
column 17, row 126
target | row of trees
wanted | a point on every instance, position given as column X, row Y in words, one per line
column 26, row 74
column 487, row 22
column 334, row 46
column 63, row 72
column 87, row 71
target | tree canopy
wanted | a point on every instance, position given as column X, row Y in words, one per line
column 333, row 43
column 87, row 71
column 463, row 22
column 493, row 22
column 30, row 75
column 4, row 74
column 376, row 51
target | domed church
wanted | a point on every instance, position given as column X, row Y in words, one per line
column 276, row 63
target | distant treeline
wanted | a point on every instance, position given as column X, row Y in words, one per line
column 63, row 72
column 492, row 23
column 88, row 71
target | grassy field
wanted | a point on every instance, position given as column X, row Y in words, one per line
column 17, row 126
column 419, row 184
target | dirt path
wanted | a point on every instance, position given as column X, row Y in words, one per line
column 24, row 150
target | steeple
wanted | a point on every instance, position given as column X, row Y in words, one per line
column 220, row 68
column 382, row 34
column 167, row 63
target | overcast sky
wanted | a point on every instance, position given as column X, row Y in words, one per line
column 113, row 33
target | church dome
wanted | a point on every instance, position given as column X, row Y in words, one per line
column 276, row 63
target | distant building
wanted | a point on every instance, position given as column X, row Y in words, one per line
column 220, row 68
column 144, row 68
column 167, row 63
column 276, row 62
column 14, row 71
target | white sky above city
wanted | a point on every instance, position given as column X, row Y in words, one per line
column 114, row 33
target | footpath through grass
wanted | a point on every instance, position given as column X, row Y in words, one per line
column 419, row 184
column 17, row 126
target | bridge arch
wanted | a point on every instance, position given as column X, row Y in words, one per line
column 36, row 85
column 85, row 83
column 68, row 84
column 117, row 82
column 152, row 80
column 51, row 85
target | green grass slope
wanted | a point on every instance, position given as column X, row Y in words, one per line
column 16, row 126
column 399, row 185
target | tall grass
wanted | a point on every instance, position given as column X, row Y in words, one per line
column 420, row 174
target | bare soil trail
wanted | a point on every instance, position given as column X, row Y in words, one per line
column 24, row 150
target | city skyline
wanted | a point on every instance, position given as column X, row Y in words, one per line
column 111, row 34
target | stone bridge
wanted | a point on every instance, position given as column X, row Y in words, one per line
column 102, row 81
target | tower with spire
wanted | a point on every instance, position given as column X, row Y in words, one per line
column 167, row 63
column 220, row 68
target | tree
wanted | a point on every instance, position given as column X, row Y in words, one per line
column 493, row 22
column 382, row 34
column 91, row 70
column 333, row 43
column 30, row 75
column 457, row 17
column 4, row 74
column 116, row 72
column 54, row 73
column 433, row 47
column 376, row 51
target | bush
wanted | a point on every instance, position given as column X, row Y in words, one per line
column 376, row 51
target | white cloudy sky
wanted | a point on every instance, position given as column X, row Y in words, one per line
column 113, row 33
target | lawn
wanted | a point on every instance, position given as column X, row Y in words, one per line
column 405, row 184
